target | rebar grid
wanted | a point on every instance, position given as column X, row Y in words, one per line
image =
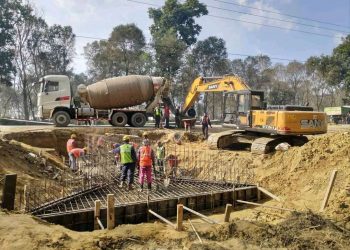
column 101, row 173
column 178, row 188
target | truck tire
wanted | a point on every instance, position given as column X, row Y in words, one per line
column 61, row 119
column 138, row 120
column 119, row 119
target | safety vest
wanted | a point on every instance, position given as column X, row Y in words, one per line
column 70, row 145
column 145, row 156
column 77, row 152
column 125, row 153
column 160, row 153
column 157, row 112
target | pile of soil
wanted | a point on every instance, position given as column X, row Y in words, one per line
column 301, row 175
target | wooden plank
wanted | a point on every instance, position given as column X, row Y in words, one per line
column 269, row 194
column 161, row 218
column 205, row 218
column 329, row 190
column 110, row 211
column 9, row 192
column 97, row 214
column 228, row 212
column 179, row 217
column 261, row 205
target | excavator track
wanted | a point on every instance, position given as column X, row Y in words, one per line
column 259, row 144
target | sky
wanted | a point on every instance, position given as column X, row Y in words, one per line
column 245, row 35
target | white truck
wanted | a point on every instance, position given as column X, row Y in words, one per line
column 114, row 99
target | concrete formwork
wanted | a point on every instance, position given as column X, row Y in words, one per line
column 76, row 211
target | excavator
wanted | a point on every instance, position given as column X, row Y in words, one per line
column 253, row 123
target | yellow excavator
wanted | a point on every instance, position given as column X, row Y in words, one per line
column 253, row 123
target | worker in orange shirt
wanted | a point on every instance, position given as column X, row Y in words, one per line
column 78, row 153
column 146, row 161
column 71, row 144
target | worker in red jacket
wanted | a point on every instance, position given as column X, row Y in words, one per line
column 146, row 162
column 71, row 144
column 78, row 153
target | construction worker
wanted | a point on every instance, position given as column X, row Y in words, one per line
column 166, row 115
column 78, row 153
column 71, row 143
column 116, row 152
column 128, row 160
column 157, row 116
column 205, row 121
column 160, row 157
column 145, row 162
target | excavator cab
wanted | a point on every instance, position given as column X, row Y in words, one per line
column 239, row 104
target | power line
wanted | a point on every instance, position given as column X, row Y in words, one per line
column 283, row 14
column 277, row 27
column 244, row 21
column 150, row 45
column 277, row 19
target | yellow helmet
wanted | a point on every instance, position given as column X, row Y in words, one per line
column 145, row 135
column 85, row 149
column 73, row 136
column 126, row 138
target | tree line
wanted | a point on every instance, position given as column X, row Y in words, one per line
column 29, row 49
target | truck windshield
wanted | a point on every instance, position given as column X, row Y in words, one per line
column 50, row 86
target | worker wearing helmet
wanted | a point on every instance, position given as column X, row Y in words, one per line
column 71, row 144
column 127, row 156
column 78, row 153
column 157, row 116
column 160, row 157
column 146, row 161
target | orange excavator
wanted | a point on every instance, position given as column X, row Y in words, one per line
column 252, row 122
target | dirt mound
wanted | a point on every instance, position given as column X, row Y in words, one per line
column 298, row 231
column 301, row 174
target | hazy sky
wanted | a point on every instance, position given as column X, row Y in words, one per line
column 96, row 18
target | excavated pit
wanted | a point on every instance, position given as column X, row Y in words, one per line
column 70, row 202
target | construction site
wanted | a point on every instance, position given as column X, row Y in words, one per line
column 168, row 124
column 230, row 198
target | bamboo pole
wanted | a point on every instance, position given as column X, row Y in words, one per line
column 162, row 218
column 202, row 216
column 329, row 190
column 261, row 205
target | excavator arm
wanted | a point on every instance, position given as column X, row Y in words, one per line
column 212, row 84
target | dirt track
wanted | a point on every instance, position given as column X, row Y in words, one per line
column 299, row 176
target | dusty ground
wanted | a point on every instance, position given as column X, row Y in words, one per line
column 299, row 176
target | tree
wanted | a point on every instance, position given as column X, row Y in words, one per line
column 128, row 42
column 296, row 75
column 180, row 18
column 7, row 31
column 209, row 58
column 122, row 54
column 169, row 51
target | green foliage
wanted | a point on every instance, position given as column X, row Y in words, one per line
column 122, row 54
column 209, row 57
column 169, row 51
column 180, row 18
column 6, row 38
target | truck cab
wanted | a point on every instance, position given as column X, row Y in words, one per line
column 55, row 92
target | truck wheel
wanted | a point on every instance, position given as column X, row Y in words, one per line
column 61, row 119
column 138, row 120
column 119, row 119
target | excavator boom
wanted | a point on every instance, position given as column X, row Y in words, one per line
column 212, row 84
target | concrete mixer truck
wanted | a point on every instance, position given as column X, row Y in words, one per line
column 118, row 100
